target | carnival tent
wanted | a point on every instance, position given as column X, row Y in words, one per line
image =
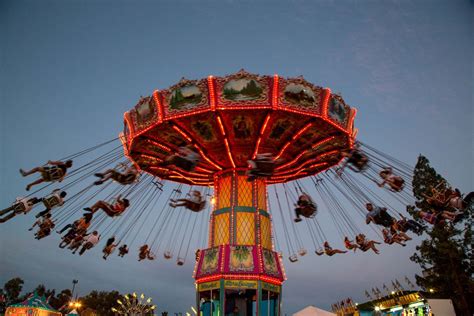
column 33, row 305
column 313, row 311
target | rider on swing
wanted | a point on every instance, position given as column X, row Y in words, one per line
column 305, row 206
column 328, row 250
column 195, row 203
column 21, row 205
column 123, row 250
column 395, row 183
column 111, row 210
column 109, row 247
column 355, row 158
column 45, row 225
column 365, row 244
column 55, row 172
column 262, row 166
column 129, row 176
column 55, row 199
column 186, row 158
column 145, row 253
column 349, row 244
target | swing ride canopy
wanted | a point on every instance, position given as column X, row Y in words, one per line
column 229, row 120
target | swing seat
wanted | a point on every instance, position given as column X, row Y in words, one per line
column 65, row 242
column 51, row 174
column 168, row 255
column 309, row 211
column 124, row 179
column 302, row 252
column 293, row 258
column 180, row 261
column 51, row 202
column 397, row 186
column 196, row 207
column 19, row 207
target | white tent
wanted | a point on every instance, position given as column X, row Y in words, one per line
column 73, row 312
column 313, row 311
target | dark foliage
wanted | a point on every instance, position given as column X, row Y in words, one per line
column 445, row 256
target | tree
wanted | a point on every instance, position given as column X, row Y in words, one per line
column 61, row 300
column 102, row 302
column 445, row 256
column 13, row 289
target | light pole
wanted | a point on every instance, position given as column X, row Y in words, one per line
column 74, row 282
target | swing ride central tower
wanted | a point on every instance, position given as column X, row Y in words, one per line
column 227, row 121
column 240, row 271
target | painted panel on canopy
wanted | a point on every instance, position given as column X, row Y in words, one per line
column 203, row 128
column 208, row 262
column 243, row 129
column 298, row 94
column 166, row 135
column 270, row 263
column 243, row 89
column 186, row 96
column 338, row 111
column 144, row 114
column 282, row 126
column 241, row 259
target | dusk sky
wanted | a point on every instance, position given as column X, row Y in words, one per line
column 70, row 69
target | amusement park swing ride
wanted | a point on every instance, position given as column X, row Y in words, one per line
column 232, row 150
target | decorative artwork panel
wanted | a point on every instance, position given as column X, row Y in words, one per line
column 337, row 110
column 241, row 259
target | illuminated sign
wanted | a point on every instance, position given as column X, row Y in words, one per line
column 240, row 284
column 270, row 287
column 208, row 286
column 402, row 300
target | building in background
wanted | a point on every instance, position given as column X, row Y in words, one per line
column 402, row 303
column 34, row 305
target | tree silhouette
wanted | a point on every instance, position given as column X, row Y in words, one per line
column 445, row 256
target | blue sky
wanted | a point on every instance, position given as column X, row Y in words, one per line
column 69, row 69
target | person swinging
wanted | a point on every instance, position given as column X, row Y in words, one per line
column 111, row 209
column 89, row 242
column 45, row 225
column 56, row 171
column 404, row 225
column 365, row 244
column 145, row 253
column 78, row 228
column 54, row 200
column 349, row 244
column 328, row 250
column 396, row 183
column 129, row 176
column 390, row 237
column 21, row 205
column 305, row 207
column 123, row 250
column 109, row 247
column 186, row 158
column 356, row 160
column 378, row 215
column 261, row 167
column 195, row 203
